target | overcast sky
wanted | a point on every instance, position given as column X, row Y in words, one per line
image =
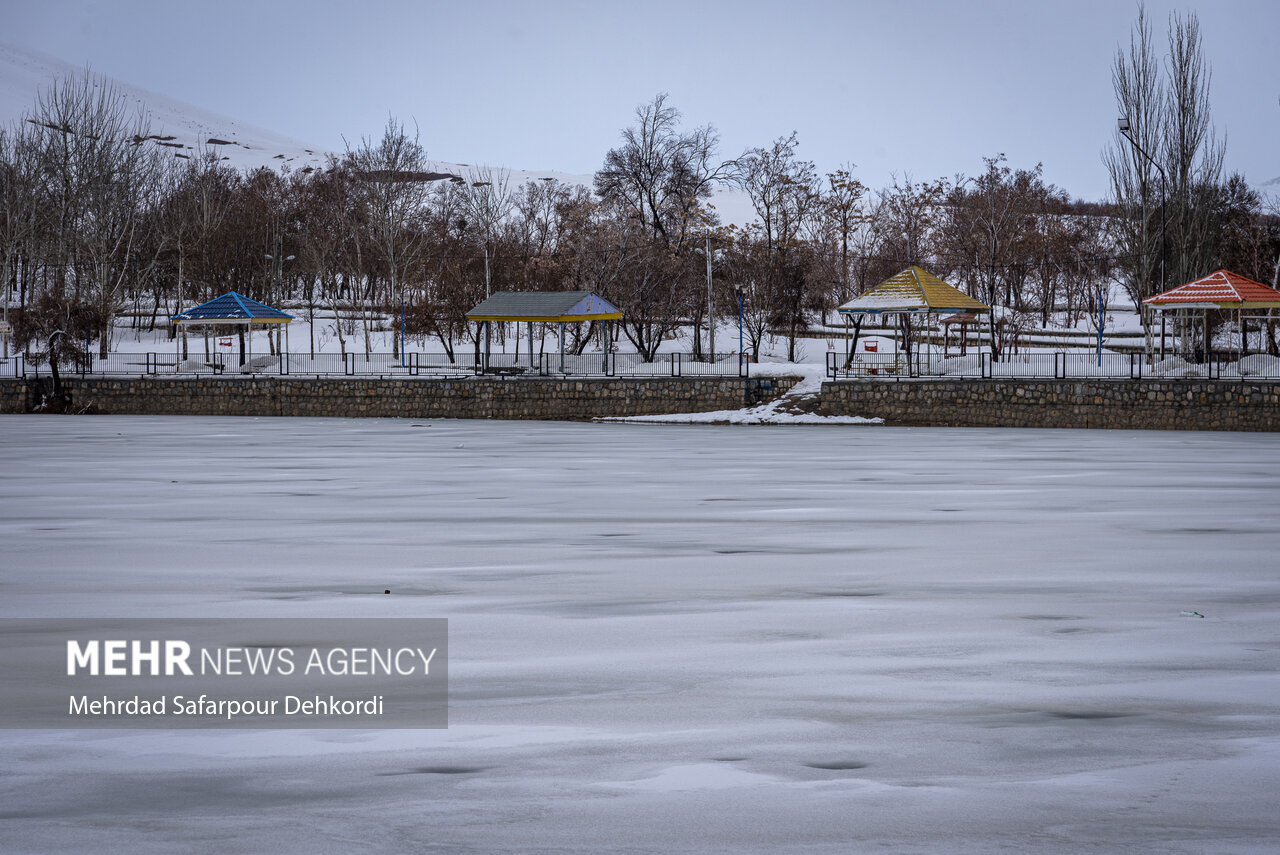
column 925, row 88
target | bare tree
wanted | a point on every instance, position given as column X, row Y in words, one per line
column 786, row 194
column 989, row 230
column 662, row 174
column 1165, row 174
column 394, row 184
column 909, row 218
column 18, row 176
column 487, row 200
column 655, row 187
column 50, row 328
column 1193, row 154
column 195, row 206
column 98, row 176
column 843, row 213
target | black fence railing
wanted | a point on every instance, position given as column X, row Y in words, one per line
column 1023, row 366
column 384, row 365
column 1059, row 365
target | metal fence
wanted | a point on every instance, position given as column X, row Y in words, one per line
column 863, row 366
column 385, row 365
column 1060, row 366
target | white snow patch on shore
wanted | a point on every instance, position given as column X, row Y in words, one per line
column 773, row 413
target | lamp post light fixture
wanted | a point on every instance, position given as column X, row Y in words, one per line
column 1126, row 130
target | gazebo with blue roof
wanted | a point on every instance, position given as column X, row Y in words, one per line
column 233, row 309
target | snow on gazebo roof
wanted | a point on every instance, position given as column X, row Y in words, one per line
column 913, row 290
column 232, row 308
column 1221, row 289
column 547, row 306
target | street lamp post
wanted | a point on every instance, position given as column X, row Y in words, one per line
column 1100, row 321
column 711, row 311
column 1127, row 132
column 739, row 288
column 278, row 262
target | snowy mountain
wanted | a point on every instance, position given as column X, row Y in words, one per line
column 185, row 128
column 1270, row 191
column 182, row 127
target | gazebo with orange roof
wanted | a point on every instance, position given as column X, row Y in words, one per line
column 1221, row 290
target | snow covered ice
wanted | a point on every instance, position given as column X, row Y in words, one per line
column 677, row 638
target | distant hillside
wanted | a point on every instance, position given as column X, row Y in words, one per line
column 186, row 128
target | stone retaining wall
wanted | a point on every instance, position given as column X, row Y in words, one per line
column 1136, row 404
column 468, row 398
column 1139, row 404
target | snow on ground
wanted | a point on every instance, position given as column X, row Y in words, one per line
column 677, row 638
column 784, row 410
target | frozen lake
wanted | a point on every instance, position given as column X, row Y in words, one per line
column 677, row 638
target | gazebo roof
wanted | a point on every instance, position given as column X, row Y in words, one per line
column 913, row 290
column 1221, row 289
column 232, row 308
column 548, row 306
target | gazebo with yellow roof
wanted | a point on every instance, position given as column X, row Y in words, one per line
column 914, row 291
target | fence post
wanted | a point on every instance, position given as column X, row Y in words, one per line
column 349, row 363
column 284, row 363
column 984, row 364
column 675, row 364
column 413, row 364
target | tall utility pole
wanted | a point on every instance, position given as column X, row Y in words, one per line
column 1127, row 133
column 277, row 262
column 711, row 310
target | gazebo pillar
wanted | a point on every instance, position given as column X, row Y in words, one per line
column 1204, row 333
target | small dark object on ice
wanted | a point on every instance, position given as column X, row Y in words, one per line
column 388, row 591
